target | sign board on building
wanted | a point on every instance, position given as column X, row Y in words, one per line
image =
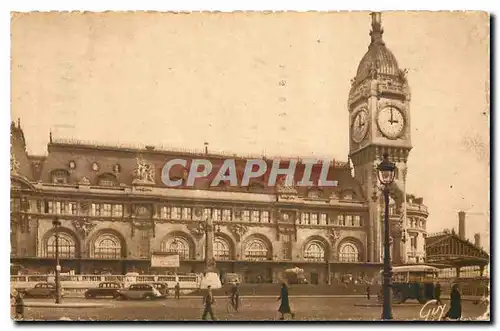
column 165, row 260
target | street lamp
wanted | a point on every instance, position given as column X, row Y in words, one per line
column 386, row 174
column 56, row 223
column 211, row 277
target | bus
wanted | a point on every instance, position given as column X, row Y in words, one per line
column 412, row 282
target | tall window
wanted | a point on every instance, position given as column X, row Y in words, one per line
column 177, row 245
column 163, row 212
column 314, row 251
column 357, row 220
column 207, row 213
column 265, row 217
column 349, row 220
column 314, row 219
column 67, row 246
column 221, row 249
column 70, row 208
column 176, row 213
column 322, row 219
column 305, row 218
column 255, row 215
column 96, row 209
column 349, row 253
column 217, row 214
column 186, row 213
column 107, row 246
column 246, row 215
column 106, row 209
column 340, row 220
column 413, row 241
column 118, row 210
column 226, row 215
column 256, row 249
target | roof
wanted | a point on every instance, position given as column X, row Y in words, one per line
column 470, row 255
column 379, row 58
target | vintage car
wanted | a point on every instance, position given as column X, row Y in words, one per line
column 139, row 291
column 104, row 289
column 162, row 288
column 42, row 290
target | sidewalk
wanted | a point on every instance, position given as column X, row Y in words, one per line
column 65, row 305
column 344, row 296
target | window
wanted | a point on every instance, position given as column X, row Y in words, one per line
column 246, row 215
column 357, row 220
column 265, row 217
column 177, row 245
column 107, row 246
column 186, row 213
column 106, row 209
column 413, row 241
column 226, row 215
column 314, row 251
column 15, row 205
column 54, row 207
column 340, row 220
column 70, row 208
column 176, row 213
column 314, row 219
column 59, row 176
column 349, row 253
column 256, row 249
column 96, row 209
column 221, row 249
column 217, row 214
column 164, row 212
column 323, row 219
column 305, row 218
column 67, row 246
column 348, row 220
column 117, row 210
column 255, row 216
column 207, row 213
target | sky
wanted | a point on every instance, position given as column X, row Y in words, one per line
column 274, row 84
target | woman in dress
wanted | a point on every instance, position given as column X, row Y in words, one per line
column 455, row 311
column 285, row 303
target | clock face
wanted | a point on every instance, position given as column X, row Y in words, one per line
column 391, row 122
column 360, row 126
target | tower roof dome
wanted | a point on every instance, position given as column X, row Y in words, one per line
column 378, row 59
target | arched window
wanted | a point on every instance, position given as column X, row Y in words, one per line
column 314, row 251
column 256, row 249
column 177, row 245
column 107, row 246
column 67, row 246
column 349, row 253
column 221, row 249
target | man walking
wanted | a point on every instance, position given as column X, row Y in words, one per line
column 235, row 296
column 177, row 291
column 208, row 301
column 437, row 293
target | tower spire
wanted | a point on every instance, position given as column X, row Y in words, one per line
column 377, row 30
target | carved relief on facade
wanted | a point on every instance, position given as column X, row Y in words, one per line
column 144, row 173
column 197, row 229
column 14, row 165
column 142, row 211
column 286, row 216
column 237, row 214
column 333, row 235
column 84, row 181
column 83, row 226
column 238, row 231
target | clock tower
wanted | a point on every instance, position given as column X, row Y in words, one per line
column 379, row 119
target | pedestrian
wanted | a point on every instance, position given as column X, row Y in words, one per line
column 285, row 302
column 177, row 291
column 19, row 305
column 235, row 296
column 437, row 293
column 208, row 301
column 368, row 290
column 455, row 311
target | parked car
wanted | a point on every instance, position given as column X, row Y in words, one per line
column 104, row 289
column 162, row 288
column 139, row 291
column 43, row 290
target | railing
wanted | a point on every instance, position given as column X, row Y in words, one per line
column 185, row 281
column 416, row 206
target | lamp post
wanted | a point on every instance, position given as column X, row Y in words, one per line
column 56, row 223
column 386, row 174
column 211, row 276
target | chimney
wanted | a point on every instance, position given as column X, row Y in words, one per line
column 477, row 240
column 461, row 224
column 206, row 147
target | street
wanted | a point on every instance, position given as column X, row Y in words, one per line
column 254, row 309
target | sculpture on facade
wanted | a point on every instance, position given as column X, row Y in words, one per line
column 238, row 231
column 83, row 226
column 14, row 165
column 334, row 235
column 144, row 173
column 197, row 229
